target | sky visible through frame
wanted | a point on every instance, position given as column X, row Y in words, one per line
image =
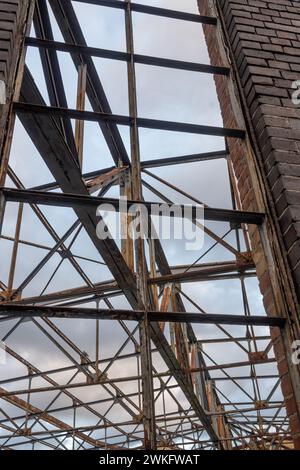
column 162, row 94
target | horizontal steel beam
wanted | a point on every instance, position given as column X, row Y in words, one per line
column 105, row 289
column 83, row 201
column 54, row 185
column 198, row 157
column 125, row 57
column 145, row 123
column 137, row 315
column 153, row 163
column 195, row 275
column 178, row 15
column 232, row 365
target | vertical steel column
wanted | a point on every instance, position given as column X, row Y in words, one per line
column 127, row 239
column 141, row 265
column 2, row 210
column 80, row 105
column 15, row 251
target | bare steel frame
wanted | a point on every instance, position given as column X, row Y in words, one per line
column 140, row 272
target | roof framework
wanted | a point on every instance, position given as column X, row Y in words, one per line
column 162, row 380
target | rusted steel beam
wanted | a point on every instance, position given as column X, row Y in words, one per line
column 80, row 105
column 18, row 402
column 202, row 273
column 121, row 5
column 238, row 339
column 36, row 372
column 125, row 57
column 234, row 365
column 15, row 251
column 98, row 182
column 102, row 288
column 148, row 404
column 138, row 315
column 170, row 161
column 205, row 272
column 165, row 302
column 152, row 268
column 156, row 124
column 179, row 336
column 87, row 403
column 86, row 201
column 86, row 176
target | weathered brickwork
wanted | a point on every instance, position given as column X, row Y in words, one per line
column 9, row 15
column 263, row 39
column 14, row 19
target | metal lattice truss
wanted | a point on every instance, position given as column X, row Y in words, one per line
column 127, row 357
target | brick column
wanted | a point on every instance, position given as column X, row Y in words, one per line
column 9, row 13
column 14, row 20
column 260, row 40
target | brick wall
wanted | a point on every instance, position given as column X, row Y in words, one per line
column 263, row 40
column 9, row 14
column 265, row 37
column 14, row 18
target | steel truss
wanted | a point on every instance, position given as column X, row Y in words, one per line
column 172, row 392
